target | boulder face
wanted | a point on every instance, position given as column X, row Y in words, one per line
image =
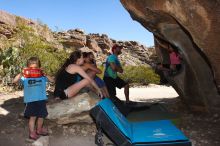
column 73, row 38
column 73, row 110
column 193, row 27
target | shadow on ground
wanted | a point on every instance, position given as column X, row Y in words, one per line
column 202, row 129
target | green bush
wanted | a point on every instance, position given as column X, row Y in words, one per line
column 13, row 59
column 10, row 61
column 136, row 74
column 140, row 75
column 50, row 61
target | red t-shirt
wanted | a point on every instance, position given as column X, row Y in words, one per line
column 174, row 58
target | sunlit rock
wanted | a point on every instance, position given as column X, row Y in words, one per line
column 192, row 26
column 73, row 110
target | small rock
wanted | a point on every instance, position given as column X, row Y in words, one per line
column 72, row 130
column 50, row 131
column 84, row 132
column 65, row 127
column 21, row 114
column 193, row 133
column 42, row 141
column 216, row 116
column 93, row 133
column 14, row 126
column 206, row 142
column 193, row 142
column 29, row 140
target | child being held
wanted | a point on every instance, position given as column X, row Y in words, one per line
column 34, row 96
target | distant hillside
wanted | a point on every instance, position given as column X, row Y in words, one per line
column 21, row 38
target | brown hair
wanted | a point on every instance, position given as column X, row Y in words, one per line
column 71, row 60
column 87, row 54
column 115, row 47
column 33, row 60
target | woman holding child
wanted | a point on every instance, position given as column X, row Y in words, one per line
column 91, row 68
column 67, row 83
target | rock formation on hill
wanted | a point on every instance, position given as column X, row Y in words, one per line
column 9, row 25
column 133, row 53
column 192, row 26
column 73, row 39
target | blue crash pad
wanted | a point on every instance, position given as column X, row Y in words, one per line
column 162, row 131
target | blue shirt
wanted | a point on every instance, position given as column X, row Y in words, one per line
column 108, row 70
column 34, row 89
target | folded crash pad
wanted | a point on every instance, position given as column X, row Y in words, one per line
column 126, row 133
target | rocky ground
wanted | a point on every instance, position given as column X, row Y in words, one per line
column 202, row 129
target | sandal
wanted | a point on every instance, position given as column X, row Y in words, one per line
column 42, row 132
column 33, row 136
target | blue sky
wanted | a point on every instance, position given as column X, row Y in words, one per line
column 93, row 16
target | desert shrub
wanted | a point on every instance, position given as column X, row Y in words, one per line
column 10, row 60
column 139, row 75
column 136, row 74
column 50, row 61
column 13, row 59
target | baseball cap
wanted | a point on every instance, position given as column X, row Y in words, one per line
column 116, row 46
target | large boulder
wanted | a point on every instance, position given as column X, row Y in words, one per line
column 73, row 38
column 73, row 110
column 192, row 26
column 93, row 45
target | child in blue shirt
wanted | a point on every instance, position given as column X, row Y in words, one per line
column 35, row 99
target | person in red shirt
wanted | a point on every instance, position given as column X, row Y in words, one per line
column 175, row 61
